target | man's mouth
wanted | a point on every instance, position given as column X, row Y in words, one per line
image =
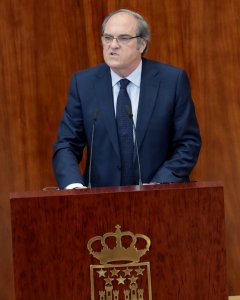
column 113, row 54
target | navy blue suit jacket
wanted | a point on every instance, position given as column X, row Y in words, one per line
column 167, row 130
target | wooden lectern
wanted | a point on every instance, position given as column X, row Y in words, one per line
column 185, row 223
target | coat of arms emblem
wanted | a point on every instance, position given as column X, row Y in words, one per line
column 120, row 274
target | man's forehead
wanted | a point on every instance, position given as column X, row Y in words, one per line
column 121, row 21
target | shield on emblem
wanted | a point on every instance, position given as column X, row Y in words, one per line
column 121, row 282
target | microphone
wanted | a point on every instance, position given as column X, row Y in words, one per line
column 130, row 115
column 94, row 119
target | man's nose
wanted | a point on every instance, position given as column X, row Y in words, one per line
column 115, row 43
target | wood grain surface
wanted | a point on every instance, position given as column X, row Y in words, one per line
column 185, row 223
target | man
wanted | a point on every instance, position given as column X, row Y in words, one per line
column 155, row 97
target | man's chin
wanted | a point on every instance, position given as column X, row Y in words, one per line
column 112, row 60
column 113, row 64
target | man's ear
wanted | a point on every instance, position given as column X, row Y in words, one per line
column 143, row 46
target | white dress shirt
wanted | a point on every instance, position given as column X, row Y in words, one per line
column 133, row 89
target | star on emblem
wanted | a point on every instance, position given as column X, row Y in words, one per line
column 127, row 272
column 139, row 271
column 121, row 280
column 101, row 273
column 114, row 272
column 133, row 280
column 108, row 280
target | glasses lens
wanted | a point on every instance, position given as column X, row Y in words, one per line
column 121, row 39
column 124, row 39
column 107, row 39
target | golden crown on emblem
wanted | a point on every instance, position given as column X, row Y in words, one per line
column 119, row 252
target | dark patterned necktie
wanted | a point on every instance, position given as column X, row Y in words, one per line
column 125, row 134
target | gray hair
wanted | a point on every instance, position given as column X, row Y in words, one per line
column 142, row 26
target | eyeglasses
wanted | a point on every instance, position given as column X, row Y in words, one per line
column 121, row 39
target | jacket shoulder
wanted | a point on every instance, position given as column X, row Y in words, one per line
column 162, row 67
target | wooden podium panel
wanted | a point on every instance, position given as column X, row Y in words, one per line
column 185, row 223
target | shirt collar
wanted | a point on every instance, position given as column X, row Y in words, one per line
column 134, row 77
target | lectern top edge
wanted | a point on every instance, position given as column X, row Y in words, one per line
column 122, row 189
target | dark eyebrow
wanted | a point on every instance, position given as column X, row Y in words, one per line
column 122, row 34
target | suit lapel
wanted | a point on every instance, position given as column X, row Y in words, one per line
column 150, row 82
column 104, row 94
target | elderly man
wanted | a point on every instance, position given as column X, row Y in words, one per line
column 125, row 101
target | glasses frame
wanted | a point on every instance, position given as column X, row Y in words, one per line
column 121, row 39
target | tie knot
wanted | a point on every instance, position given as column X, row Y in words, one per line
column 123, row 83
